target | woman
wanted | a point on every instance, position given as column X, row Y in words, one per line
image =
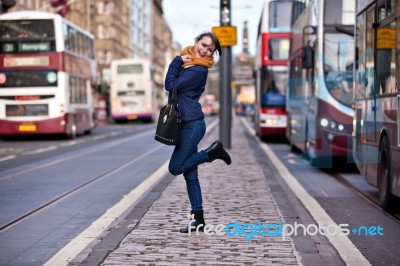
column 188, row 73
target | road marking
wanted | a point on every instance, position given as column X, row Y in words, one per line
column 69, row 143
column 7, row 158
column 99, row 137
column 75, row 155
column 349, row 253
column 40, row 150
column 79, row 243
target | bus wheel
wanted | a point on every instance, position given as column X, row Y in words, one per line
column 293, row 148
column 384, row 174
column 71, row 134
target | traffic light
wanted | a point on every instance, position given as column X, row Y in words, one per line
column 61, row 6
column 7, row 4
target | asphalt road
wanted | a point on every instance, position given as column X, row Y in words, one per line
column 52, row 189
column 347, row 198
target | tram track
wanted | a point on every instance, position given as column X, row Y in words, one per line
column 62, row 158
column 80, row 187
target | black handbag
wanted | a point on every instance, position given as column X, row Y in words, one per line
column 169, row 125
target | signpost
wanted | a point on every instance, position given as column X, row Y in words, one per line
column 227, row 37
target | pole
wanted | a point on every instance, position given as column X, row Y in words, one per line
column 225, row 91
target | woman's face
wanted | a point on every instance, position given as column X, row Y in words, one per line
column 204, row 47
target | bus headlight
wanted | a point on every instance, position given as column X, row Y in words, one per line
column 324, row 122
column 333, row 125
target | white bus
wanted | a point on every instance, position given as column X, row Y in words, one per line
column 47, row 67
column 132, row 92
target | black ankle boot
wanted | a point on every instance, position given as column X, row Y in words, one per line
column 196, row 219
column 217, row 151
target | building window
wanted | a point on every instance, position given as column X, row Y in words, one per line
column 104, row 57
column 104, row 8
column 103, row 32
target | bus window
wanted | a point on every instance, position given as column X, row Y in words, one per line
column 338, row 66
column 386, row 59
column 129, row 69
column 32, row 29
column 29, row 78
column 279, row 17
column 279, row 49
column 23, row 36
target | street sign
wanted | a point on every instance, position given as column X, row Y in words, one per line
column 227, row 35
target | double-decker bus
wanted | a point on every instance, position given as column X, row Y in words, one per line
column 376, row 134
column 47, row 67
column 133, row 93
column 271, row 66
column 320, row 89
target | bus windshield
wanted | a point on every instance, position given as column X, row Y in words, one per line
column 280, row 16
column 27, row 36
column 129, row 69
column 279, row 48
column 338, row 66
column 28, row 78
column 273, row 92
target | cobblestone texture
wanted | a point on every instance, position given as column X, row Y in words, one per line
column 231, row 193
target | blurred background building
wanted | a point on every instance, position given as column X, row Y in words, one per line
column 134, row 29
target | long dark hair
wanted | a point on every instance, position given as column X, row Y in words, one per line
column 213, row 37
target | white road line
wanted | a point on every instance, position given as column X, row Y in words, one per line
column 40, row 150
column 9, row 157
column 99, row 137
column 349, row 253
column 69, row 143
column 79, row 243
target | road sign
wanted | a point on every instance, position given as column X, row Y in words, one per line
column 226, row 34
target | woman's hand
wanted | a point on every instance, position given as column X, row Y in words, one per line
column 186, row 58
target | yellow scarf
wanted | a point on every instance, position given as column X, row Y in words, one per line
column 203, row 61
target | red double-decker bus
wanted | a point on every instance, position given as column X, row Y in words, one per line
column 47, row 68
column 271, row 66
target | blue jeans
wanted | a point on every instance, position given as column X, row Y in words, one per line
column 186, row 158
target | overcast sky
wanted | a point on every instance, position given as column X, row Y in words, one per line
column 188, row 18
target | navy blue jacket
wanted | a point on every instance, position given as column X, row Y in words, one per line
column 190, row 83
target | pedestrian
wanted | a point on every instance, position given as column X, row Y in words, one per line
column 188, row 73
